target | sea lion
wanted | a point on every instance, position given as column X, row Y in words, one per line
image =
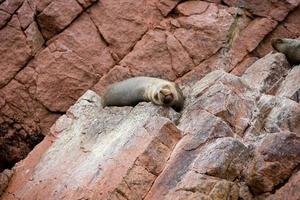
column 134, row 90
column 289, row 47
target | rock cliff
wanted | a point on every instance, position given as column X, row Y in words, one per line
column 236, row 138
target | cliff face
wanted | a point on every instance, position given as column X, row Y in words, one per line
column 234, row 140
column 237, row 135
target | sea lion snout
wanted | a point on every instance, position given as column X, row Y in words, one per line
column 168, row 99
column 166, row 96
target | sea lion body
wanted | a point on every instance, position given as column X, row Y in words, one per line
column 134, row 90
column 289, row 47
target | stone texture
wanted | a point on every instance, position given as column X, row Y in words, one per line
column 249, row 38
column 4, row 18
column 289, row 191
column 235, row 137
column 290, row 87
column 57, row 15
column 225, row 158
column 10, row 6
column 123, row 23
column 165, row 6
column 243, row 37
column 34, row 38
column 266, row 73
column 276, row 156
column 86, row 3
column 14, row 51
column 192, row 8
column 25, row 14
column 126, row 165
column 204, row 132
column 159, row 54
column 202, row 44
column 284, row 116
column 22, row 122
column 4, row 180
column 243, row 66
column 274, row 114
column 198, row 186
column 84, row 58
column 227, row 97
column 276, row 10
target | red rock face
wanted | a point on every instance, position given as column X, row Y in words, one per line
column 52, row 52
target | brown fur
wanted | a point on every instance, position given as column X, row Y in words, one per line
column 134, row 90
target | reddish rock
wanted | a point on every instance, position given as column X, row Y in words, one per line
column 22, row 122
column 40, row 4
column 239, row 45
column 243, row 66
column 165, row 6
column 224, row 158
column 123, row 23
column 284, row 116
column 248, row 39
column 159, row 54
column 227, row 97
column 290, row 191
column 10, row 6
column 129, row 151
column 199, row 186
column 57, row 89
column 57, row 15
column 202, row 44
column 199, row 128
column 30, row 161
column 274, row 114
column 86, row 3
column 193, row 123
column 25, row 14
column 198, row 72
column 34, row 38
column 276, row 156
column 276, row 10
column 4, row 18
column 266, row 73
column 14, row 51
column 192, row 8
column 290, row 87
column 84, row 58
column 82, row 38
column 126, row 165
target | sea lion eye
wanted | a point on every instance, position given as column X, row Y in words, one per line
column 279, row 41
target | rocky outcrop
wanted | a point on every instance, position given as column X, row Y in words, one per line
column 52, row 52
column 102, row 152
column 231, row 141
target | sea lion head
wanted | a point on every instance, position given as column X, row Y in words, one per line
column 163, row 94
column 279, row 44
column 166, row 95
column 169, row 94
